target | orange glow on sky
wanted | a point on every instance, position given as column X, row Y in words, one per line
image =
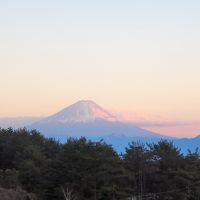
column 140, row 56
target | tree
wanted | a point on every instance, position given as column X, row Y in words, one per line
column 136, row 161
column 167, row 179
column 87, row 170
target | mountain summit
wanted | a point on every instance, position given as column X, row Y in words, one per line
column 82, row 111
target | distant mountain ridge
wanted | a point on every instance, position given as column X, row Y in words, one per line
column 18, row 122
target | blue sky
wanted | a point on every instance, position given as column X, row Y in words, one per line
column 125, row 55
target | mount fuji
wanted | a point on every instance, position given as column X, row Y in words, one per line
column 87, row 119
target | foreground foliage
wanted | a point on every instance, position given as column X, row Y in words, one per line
column 18, row 194
column 85, row 170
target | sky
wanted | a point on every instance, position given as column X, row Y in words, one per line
column 130, row 55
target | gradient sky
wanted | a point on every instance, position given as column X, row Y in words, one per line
column 130, row 55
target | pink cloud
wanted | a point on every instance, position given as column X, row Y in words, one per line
column 184, row 130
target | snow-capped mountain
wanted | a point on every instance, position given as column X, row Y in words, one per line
column 86, row 118
column 82, row 111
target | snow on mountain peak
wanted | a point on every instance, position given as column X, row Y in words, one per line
column 82, row 111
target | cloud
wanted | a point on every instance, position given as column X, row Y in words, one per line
column 154, row 123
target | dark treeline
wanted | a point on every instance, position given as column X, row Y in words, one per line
column 85, row 170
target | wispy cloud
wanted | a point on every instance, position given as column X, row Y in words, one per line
column 162, row 124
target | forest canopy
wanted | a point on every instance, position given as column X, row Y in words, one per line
column 84, row 170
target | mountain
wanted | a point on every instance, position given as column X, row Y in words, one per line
column 186, row 144
column 18, row 122
column 86, row 118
